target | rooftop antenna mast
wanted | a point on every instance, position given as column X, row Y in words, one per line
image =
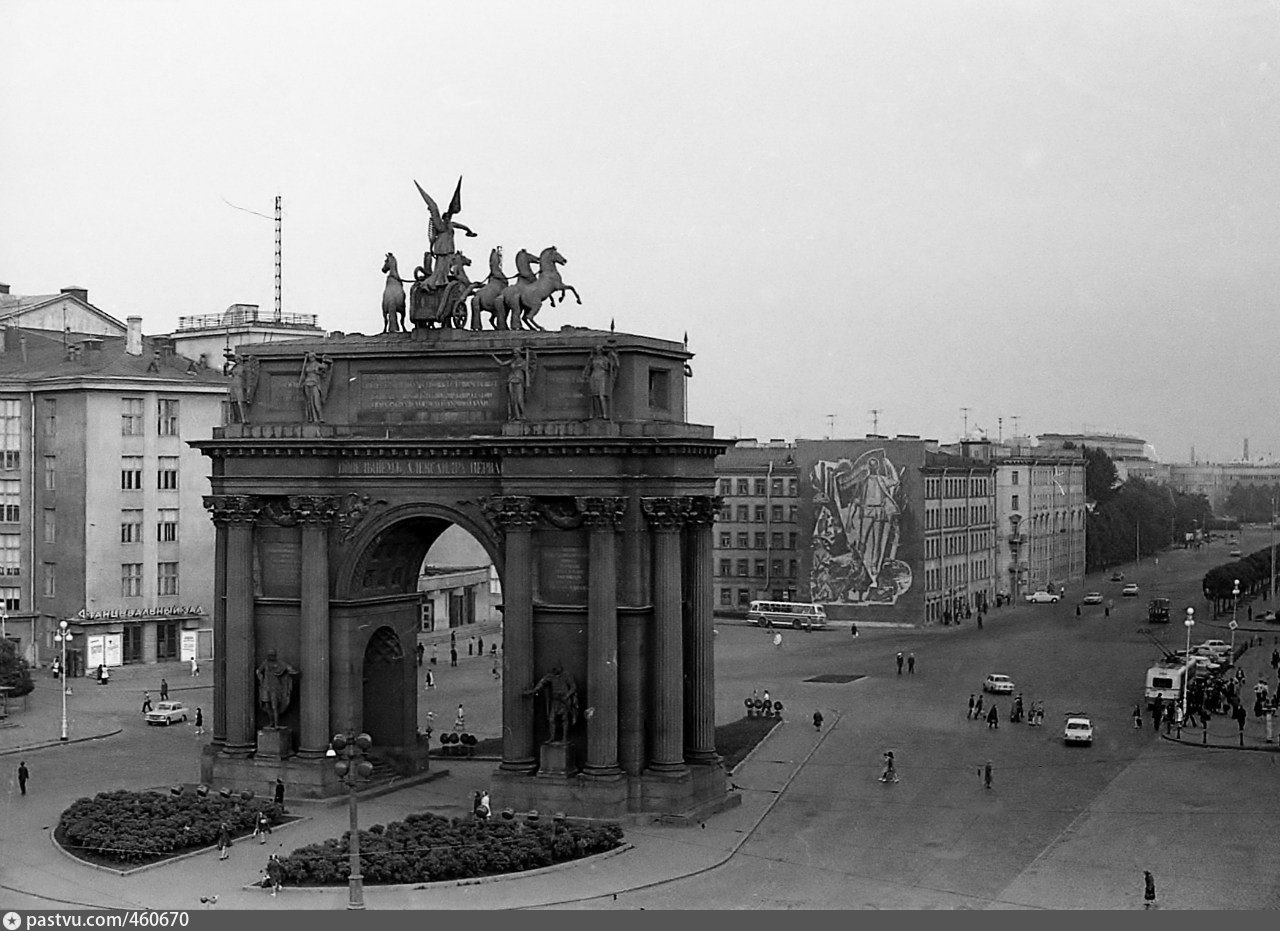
column 1015, row 418
column 831, row 425
column 875, row 413
column 279, row 221
column 965, row 412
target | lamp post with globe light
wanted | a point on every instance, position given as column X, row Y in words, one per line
column 63, row 636
column 1235, row 600
column 1190, row 622
column 351, row 768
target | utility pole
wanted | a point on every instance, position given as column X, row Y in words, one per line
column 1000, row 430
column 875, row 419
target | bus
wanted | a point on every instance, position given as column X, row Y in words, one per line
column 795, row 614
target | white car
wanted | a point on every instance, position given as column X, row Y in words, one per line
column 1216, row 647
column 166, row 712
column 1078, row 730
column 1235, row 553
column 1130, row 590
column 1093, row 598
column 997, row 684
column 1042, row 598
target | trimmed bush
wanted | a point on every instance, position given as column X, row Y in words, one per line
column 428, row 847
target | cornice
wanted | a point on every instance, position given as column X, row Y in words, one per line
column 495, row 448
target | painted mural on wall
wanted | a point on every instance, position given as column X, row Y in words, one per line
column 857, row 527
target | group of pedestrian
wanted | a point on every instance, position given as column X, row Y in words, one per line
column 910, row 661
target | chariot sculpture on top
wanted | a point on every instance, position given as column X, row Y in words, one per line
column 440, row 286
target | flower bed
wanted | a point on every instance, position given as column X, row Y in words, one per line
column 124, row 828
column 427, row 848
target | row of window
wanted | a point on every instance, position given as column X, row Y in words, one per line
column 131, row 473
column 963, row 486
column 956, row 516
column 759, row 486
column 131, row 419
column 936, row 578
column 744, row 567
column 131, row 579
column 757, row 541
column 745, row 513
column 166, row 417
column 745, row 597
column 166, row 525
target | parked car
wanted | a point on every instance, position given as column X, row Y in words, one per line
column 1217, row 648
column 166, row 712
column 1130, row 590
column 1041, row 598
column 1236, row 553
column 1078, row 730
column 1117, row 576
column 1093, row 598
column 997, row 684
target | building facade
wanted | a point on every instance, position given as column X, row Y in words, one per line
column 960, row 540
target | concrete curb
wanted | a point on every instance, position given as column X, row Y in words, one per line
column 59, row 743
column 1265, row 748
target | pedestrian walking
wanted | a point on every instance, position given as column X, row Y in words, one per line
column 977, row 709
column 199, row 720
column 146, row 702
column 275, row 873
column 1275, row 659
column 431, row 679
column 1157, row 712
column 421, row 651
column 261, row 827
column 224, row 841
column 434, row 649
column 817, row 720
column 471, row 646
column 103, row 675
column 853, row 629
column 890, row 774
column 279, row 793
column 979, row 620
column 460, row 721
column 497, row 673
column 480, row 645
column 899, row 664
column 969, row 713
column 1149, row 889
column 765, row 698
column 1137, row 717
column 164, row 689
column 1240, row 717
column 493, row 648
column 986, row 775
column 453, row 656
column 23, row 775
column 195, row 667
column 993, row 719
column 911, row 663
column 777, row 640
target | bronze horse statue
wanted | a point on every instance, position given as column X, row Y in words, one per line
column 488, row 297
column 522, row 300
column 392, row 297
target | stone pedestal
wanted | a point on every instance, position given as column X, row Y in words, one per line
column 556, row 760
column 275, row 743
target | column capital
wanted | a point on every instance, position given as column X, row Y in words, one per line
column 510, row 512
column 601, row 513
column 704, row 509
column 233, row 509
column 666, row 513
column 351, row 509
column 312, row 510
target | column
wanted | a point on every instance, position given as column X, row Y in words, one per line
column 238, row 513
column 601, row 516
column 515, row 516
column 666, row 517
column 314, row 514
column 633, row 628
column 699, row 660
column 218, row 722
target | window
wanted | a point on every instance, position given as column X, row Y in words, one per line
column 131, row 526
column 131, row 580
column 10, row 554
column 132, row 643
column 726, row 486
column 726, row 597
column 759, row 512
column 131, row 416
column 776, row 486
column 50, row 417
column 791, row 487
column 167, row 417
column 743, row 541
column 743, row 567
column 50, row 525
column 775, row 512
column 50, row 473
column 791, row 541
column 726, row 567
column 760, row 486
column 760, row 568
column 131, row 473
column 167, row 578
column 1014, row 479
column 1015, row 502
column 775, row 540
column 659, row 389
column 167, row 473
column 744, row 512
column 726, row 540
column 10, row 496
column 166, row 640
column 50, row 579
column 792, row 568
column 776, row 569
column 792, row 511
column 167, row 526
column 11, row 598
column 744, row 597
column 759, row 541
column 10, row 433
column 744, row 487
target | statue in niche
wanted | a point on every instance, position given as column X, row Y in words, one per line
column 600, row 374
column 520, row 368
column 243, row 371
column 275, row 686
column 314, row 384
column 562, row 702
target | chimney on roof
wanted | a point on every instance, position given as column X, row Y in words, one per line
column 4, row 288
column 133, row 338
column 82, row 293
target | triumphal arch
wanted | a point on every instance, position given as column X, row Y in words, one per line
column 568, row 456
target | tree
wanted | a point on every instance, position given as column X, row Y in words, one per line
column 14, row 671
column 1100, row 478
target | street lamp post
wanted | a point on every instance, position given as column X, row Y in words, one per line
column 1235, row 600
column 1190, row 622
column 351, row 768
column 63, row 636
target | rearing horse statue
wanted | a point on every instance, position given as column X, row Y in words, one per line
column 392, row 297
column 523, row 299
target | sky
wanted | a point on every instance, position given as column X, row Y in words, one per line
column 1062, row 217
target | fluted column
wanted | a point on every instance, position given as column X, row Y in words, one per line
column 699, row 659
column 515, row 516
column 219, row 718
column 667, row 516
column 238, row 513
column 602, row 515
column 314, row 514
